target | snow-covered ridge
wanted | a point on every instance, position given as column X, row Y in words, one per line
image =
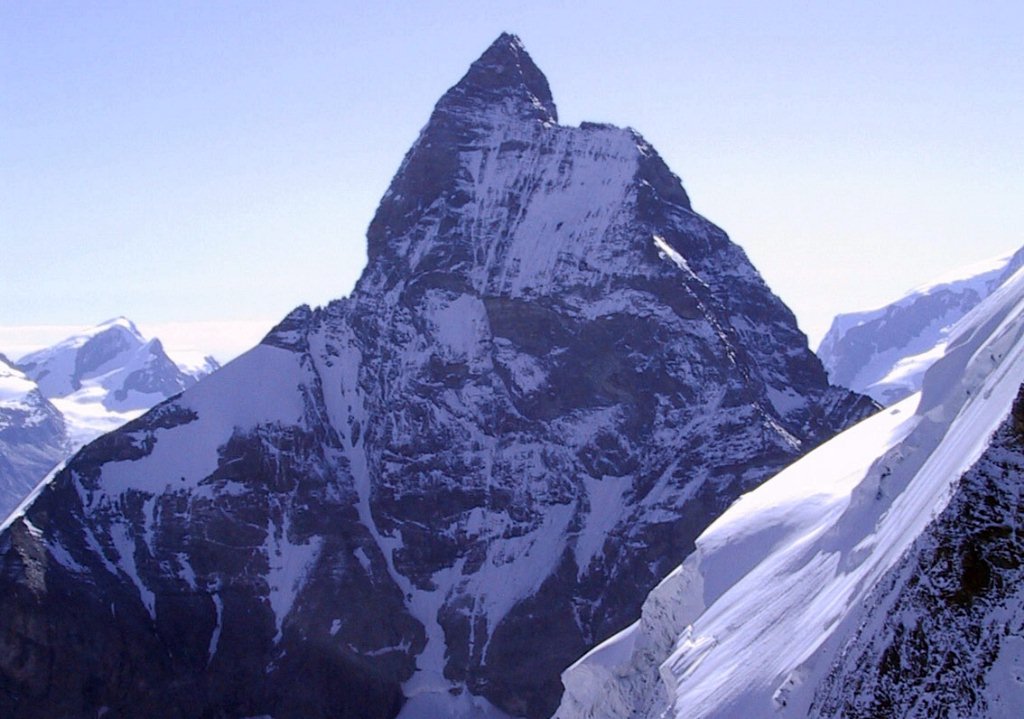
column 756, row 613
column 885, row 352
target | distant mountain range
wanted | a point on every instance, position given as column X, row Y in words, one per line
column 57, row 399
column 885, row 352
column 33, row 435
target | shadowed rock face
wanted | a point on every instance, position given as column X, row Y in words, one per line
column 551, row 377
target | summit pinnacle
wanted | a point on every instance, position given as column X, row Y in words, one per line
column 505, row 74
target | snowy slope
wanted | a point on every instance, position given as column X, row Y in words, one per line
column 32, row 436
column 885, row 352
column 943, row 634
column 106, row 375
column 751, row 623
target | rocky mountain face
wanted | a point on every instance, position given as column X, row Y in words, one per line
column 33, row 438
column 878, row 576
column 885, row 352
column 429, row 497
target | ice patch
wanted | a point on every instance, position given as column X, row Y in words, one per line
column 606, row 499
column 289, row 564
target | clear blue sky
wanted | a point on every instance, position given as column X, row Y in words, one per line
column 219, row 161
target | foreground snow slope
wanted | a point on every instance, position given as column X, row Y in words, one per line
column 885, row 352
column 943, row 631
column 751, row 623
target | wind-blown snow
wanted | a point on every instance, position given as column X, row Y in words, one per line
column 759, row 606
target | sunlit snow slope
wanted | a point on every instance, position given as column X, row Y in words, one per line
column 755, row 621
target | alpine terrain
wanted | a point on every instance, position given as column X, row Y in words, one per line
column 885, row 352
column 430, row 497
column 57, row 399
column 33, row 436
column 882, row 575
column 106, row 375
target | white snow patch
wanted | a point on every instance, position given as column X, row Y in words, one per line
column 677, row 259
column 1005, row 679
column 458, row 324
column 63, row 557
column 125, row 546
column 527, row 373
column 289, row 565
column 606, row 498
column 364, row 561
column 446, row 706
column 785, row 400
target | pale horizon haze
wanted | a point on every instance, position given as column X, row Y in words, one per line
column 204, row 167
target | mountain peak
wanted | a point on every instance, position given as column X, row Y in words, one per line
column 117, row 325
column 505, row 73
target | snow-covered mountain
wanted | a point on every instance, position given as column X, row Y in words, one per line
column 33, row 438
column 879, row 576
column 107, row 375
column 885, row 352
column 431, row 496
column 57, row 399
